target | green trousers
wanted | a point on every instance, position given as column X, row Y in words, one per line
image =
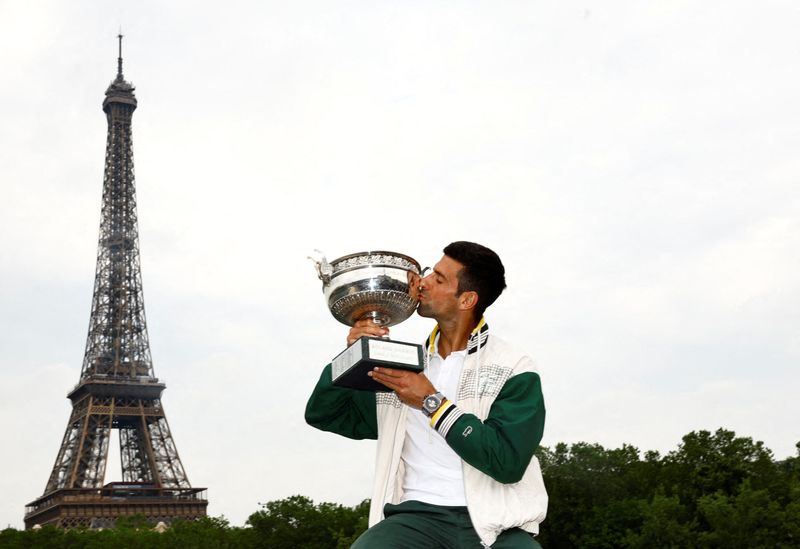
column 417, row 525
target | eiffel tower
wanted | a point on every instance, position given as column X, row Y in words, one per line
column 117, row 388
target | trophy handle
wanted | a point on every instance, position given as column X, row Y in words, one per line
column 324, row 269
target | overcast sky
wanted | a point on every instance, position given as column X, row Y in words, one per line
column 635, row 165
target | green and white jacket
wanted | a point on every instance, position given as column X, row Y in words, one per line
column 495, row 424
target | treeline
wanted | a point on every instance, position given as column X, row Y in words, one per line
column 715, row 490
column 291, row 523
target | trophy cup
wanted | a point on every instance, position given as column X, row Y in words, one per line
column 370, row 285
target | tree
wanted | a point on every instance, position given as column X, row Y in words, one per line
column 593, row 494
column 715, row 490
column 665, row 524
column 705, row 464
column 296, row 523
column 207, row 533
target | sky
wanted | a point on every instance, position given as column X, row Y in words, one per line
column 634, row 164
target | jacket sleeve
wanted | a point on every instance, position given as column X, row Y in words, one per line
column 347, row 412
column 503, row 444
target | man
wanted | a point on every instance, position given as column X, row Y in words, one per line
column 455, row 465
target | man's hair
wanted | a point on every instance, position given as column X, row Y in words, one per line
column 483, row 272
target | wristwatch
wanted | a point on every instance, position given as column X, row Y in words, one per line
column 431, row 403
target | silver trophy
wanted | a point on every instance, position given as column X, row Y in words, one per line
column 370, row 285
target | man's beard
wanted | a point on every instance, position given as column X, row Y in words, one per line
column 424, row 311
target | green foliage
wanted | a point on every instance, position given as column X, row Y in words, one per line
column 206, row 533
column 705, row 464
column 296, row 523
column 664, row 523
column 714, row 490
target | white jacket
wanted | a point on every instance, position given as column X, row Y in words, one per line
column 493, row 506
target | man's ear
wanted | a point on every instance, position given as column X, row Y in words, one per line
column 468, row 300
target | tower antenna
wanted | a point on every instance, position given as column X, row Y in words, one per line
column 119, row 59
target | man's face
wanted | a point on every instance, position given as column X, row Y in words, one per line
column 437, row 298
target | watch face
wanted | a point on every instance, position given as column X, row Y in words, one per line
column 431, row 404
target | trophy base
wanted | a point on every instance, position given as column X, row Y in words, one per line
column 349, row 369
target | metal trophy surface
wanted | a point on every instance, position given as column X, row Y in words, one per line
column 370, row 285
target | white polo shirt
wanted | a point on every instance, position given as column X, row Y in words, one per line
column 433, row 472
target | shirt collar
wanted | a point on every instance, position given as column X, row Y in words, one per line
column 478, row 338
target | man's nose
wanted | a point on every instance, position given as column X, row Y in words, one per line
column 423, row 282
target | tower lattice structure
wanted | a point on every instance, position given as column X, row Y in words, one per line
column 117, row 387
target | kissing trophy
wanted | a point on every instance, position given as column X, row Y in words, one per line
column 370, row 285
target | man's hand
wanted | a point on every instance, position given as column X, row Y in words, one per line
column 366, row 328
column 411, row 388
